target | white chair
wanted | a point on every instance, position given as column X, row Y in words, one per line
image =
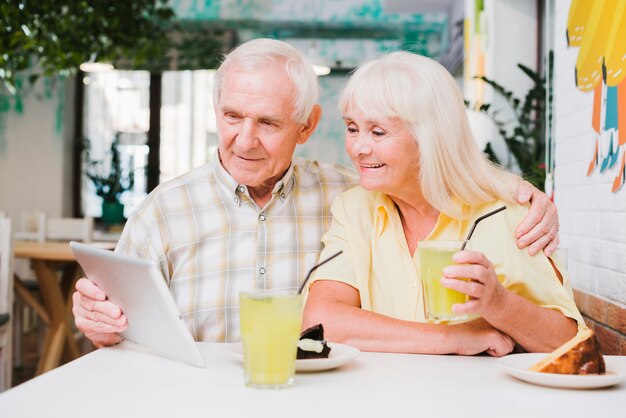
column 74, row 229
column 31, row 226
column 6, row 304
column 37, row 226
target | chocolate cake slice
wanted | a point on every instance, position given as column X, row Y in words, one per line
column 312, row 344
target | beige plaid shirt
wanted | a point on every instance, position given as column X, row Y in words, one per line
column 212, row 241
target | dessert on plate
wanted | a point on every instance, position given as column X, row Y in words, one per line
column 580, row 355
column 312, row 344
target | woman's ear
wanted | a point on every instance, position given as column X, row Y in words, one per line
column 307, row 129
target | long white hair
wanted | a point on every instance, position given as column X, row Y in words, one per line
column 262, row 52
column 421, row 92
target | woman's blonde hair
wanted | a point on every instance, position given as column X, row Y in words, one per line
column 261, row 52
column 421, row 92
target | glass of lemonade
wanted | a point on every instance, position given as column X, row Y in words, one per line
column 270, row 329
column 433, row 257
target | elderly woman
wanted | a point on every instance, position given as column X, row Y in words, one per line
column 422, row 177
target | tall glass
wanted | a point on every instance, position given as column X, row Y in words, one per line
column 270, row 329
column 433, row 257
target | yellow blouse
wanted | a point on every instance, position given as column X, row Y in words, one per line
column 376, row 260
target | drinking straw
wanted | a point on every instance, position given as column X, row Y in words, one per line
column 316, row 266
column 476, row 223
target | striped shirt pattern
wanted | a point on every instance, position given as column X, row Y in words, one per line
column 212, row 241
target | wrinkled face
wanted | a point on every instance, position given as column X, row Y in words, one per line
column 383, row 152
column 257, row 134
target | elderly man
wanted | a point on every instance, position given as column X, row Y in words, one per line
column 253, row 217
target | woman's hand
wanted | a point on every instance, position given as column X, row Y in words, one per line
column 478, row 336
column 487, row 296
column 535, row 328
column 337, row 306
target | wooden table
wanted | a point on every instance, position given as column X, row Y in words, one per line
column 127, row 381
column 46, row 260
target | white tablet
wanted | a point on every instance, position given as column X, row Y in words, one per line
column 138, row 288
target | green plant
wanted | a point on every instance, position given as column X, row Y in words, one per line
column 52, row 36
column 107, row 175
column 525, row 134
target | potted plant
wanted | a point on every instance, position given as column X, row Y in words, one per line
column 525, row 133
column 110, row 181
column 58, row 36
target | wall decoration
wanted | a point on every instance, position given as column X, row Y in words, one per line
column 477, row 59
column 599, row 29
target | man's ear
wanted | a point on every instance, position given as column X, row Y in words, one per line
column 306, row 130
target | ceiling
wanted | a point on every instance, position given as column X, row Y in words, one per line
column 348, row 31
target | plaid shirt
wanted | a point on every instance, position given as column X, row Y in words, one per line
column 212, row 241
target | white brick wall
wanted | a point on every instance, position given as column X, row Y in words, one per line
column 593, row 219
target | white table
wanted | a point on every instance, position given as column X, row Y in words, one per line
column 126, row 381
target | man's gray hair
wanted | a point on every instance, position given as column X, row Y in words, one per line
column 261, row 52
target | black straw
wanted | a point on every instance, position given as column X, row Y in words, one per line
column 314, row 267
column 476, row 223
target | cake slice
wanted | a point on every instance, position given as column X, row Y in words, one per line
column 312, row 343
column 580, row 355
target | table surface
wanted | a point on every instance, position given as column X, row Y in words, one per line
column 51, row 250
column 128, row 381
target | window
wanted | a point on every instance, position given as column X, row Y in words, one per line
column 117, row 103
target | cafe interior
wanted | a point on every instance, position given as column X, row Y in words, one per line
column 102, row 101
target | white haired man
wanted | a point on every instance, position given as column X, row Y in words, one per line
column 253, row 217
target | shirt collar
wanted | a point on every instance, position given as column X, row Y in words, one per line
column 284, row 186
column 385, row 211
column 387, row 215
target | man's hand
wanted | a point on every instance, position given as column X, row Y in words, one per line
column 96, row 317
column 540, row 228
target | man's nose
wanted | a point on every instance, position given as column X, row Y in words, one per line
column 247, row 137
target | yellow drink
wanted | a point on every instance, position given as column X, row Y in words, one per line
column 270, row 329
column 433, row 257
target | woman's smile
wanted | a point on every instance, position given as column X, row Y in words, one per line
column 371, row 166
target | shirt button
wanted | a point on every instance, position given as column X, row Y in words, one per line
column 262, row 270
column 413, row 285
column 262, row 217
column 236, row 200
column 241, row 189
column 282, row 195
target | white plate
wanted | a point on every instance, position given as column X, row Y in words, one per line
column 517, row 365
column 340, row 354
